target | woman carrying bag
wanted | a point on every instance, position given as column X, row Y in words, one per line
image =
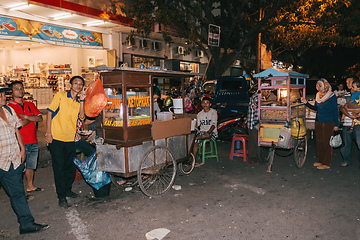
column 327, row 121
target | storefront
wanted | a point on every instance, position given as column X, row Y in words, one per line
column 45, row 53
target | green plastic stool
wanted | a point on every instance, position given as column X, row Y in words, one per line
column 211, row 154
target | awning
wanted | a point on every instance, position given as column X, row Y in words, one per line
column 272, row 72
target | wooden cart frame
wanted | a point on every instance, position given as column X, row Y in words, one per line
column 143, row 150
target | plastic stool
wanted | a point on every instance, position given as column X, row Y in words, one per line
column 238, row 152
column 212, row 153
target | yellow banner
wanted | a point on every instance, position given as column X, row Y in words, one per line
column 132, row 123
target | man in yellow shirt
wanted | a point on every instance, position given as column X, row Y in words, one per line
column 63, row 112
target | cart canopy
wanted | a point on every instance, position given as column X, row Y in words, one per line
column 273, row 72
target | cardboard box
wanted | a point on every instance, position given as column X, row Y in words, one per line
column 170, row 128
column 185, row 115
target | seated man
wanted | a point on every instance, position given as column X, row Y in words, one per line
column 207, row 121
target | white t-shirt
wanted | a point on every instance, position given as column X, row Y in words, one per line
column 207, row 119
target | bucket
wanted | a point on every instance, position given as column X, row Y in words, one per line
column 178, row 111
column 164, row 116
column 178, row 106
column 103, row 191
column 177, row 103
column 193, row 124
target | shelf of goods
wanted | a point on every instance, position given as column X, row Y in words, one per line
column 43, row 96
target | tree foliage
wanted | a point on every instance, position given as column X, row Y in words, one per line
column 290, row 28
column 317, row 35
column 238, row 19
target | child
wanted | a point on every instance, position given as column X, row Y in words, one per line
column 207, row 121
column 354, row 103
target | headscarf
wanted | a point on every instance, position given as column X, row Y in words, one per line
column 326, row 93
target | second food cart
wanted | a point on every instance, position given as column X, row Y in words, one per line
column 282, row 125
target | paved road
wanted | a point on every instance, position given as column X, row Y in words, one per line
column 226, row 200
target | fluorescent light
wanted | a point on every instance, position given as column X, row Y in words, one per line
column 62, row 16
column 95, row 23
column 18, row 7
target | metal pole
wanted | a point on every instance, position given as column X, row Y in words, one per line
column 258, row 57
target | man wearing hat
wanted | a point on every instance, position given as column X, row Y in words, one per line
column 267, row 97
column 12, row 157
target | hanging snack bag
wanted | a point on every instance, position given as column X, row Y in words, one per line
column 95, row 100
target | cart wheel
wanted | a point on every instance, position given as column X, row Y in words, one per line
column 187, row 166
column 300, row 152
column 130, row 182
column 157, row 171
column 263, row 154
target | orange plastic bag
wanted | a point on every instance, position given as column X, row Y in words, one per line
column 95, row 100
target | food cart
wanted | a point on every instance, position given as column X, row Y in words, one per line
column 136, row 144
column 282, row 125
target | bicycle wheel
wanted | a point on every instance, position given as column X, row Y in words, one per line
column 187, row 166
column 263, row 154
column 300, row 152
column 157, row 171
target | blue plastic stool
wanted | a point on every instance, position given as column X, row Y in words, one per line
column 210, row 154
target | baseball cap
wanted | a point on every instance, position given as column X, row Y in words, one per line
column 206, row 98
column 4, row 89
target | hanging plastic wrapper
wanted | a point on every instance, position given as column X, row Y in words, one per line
column 88, row 168
column 335, row 141
column 95, row 100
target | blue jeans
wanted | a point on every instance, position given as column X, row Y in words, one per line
column 347, row 140
column 32, row 153
column 13, row 185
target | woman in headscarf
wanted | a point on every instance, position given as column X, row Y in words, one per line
column 327, row 121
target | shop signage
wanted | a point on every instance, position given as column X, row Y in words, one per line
column 28, row 30
column 214, row 35
column 60, row 71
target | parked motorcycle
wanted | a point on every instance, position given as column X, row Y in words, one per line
column 229, row 126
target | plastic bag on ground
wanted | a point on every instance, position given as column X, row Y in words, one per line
column 95, row 100
column 88, row 168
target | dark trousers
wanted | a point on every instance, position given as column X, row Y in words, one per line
column 252, row 145
column 62, row 155
column 13, row 184
column 84, row 147
column 347, row 140
column 323, row 133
